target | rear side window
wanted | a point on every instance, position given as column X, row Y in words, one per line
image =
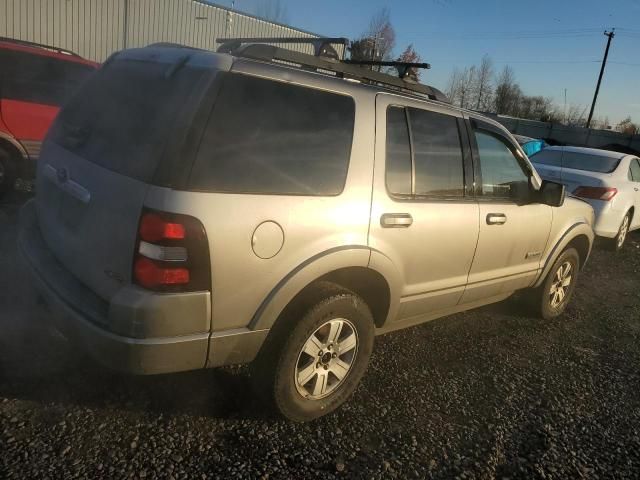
column 589, row 163
column 122, row 117
column 432, row 151
column 39, row 79
column 634, row 170
column 269, row 137
column 552, row 158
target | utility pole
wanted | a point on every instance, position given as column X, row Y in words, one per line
column 564, row 112
column 610, row 36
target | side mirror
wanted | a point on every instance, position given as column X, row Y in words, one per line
column 521, row 193
column 552, row 193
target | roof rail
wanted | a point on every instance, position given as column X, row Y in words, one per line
column 322, row 46
column 323, row 64
column 39, row 45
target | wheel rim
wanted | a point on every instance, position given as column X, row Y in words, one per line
column 561, row 284
column 624, row 228
column 326, row 358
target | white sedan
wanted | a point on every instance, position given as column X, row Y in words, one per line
column 609, row 181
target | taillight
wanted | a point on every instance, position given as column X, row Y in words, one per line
column 172, row 253
column 597, row 193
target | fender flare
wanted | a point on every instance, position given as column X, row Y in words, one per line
column 578, row 228
column 301, row 276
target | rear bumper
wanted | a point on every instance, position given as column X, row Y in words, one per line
column 76, row 314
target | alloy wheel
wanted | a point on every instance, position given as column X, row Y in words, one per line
column 622, row 234
column 326, row 359
column 561, row 284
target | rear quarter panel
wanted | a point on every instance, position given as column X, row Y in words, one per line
column 320, row 233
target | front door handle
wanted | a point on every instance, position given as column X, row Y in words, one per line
column 496, row 219
column 396, row 220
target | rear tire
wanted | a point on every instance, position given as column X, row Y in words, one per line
column 616, row 243
column 551, row 298
column 8, row 172
column 315, row 357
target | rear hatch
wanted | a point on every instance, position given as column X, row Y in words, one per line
column 109, row 143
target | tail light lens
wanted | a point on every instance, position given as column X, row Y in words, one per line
column 597, row 193
column 172, row 253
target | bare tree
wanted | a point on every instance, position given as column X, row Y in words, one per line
column 273, row 10
column 378, row 42
column 482, row 87
column 576, row 116
column 410, row 55
column 507, row 92
column 628, row 127
column 460, row 87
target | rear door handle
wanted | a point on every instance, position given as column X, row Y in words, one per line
column 396, row 220
column 496, row 219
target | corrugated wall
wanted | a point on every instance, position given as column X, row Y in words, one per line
column 96, row 28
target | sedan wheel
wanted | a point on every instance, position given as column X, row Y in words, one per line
column 622, row 233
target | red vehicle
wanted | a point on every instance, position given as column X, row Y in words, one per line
column 35, row 80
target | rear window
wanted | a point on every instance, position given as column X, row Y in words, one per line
column 548, row 157
column 589, row 163
column 122, row 117
column 271, row 137
column 38, row 79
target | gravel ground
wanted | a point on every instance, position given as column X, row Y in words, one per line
column 483, row 394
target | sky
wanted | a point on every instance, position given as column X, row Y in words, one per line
column 551, row 45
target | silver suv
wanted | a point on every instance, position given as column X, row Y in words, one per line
column 198, row 209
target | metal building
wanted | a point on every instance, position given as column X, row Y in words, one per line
column 96, row 28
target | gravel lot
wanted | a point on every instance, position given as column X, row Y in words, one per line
column 484, row 394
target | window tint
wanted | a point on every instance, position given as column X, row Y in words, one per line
column 273, row 137
column 589, row 163
column 634, row 170
column 500, row 168
column 548, row 157
column 122, row 117
column 39, row 79
column 437, row 154
column 398, row 154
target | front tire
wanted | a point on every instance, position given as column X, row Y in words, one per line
column 311, row 364
column 550, row 299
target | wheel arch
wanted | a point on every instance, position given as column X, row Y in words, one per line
column 348, row 268
column 579, row 236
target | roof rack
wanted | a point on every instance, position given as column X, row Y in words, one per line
column 39, row 45
column 322, row 46
column 403, row 68
column 258, row 49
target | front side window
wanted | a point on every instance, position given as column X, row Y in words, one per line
column 39, row 79
column 428, row 162
column 269, row 137
column 499, row 167
column 437, row 154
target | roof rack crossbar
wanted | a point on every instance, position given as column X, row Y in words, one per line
column 322, row 46
column 403, row 68
column 41, row 45
column 271, row 53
